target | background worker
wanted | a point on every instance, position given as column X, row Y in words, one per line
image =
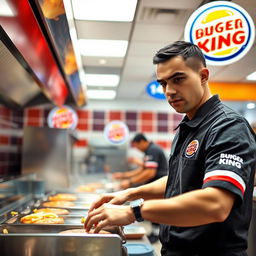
column 153, row 167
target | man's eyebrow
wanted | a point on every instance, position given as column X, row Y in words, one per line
column 172, row 76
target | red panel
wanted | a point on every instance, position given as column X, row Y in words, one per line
column 25, row 33
column 164, row 144
column 4, row 140
column 82, row 114
column 114, row 115
column 82, row 126
column 146, row 115
column 33, row 113
column 147, row 128
column 81, row 143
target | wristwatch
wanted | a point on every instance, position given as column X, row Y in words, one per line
column 135, row 205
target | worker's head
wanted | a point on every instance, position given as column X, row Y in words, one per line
column 140, row 142
column 182, row 72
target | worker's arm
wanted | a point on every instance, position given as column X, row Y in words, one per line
column 193, row 208
column 143, row 176
column 127, row 174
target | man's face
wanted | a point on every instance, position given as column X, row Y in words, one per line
column 138, row 145
column 185, row 88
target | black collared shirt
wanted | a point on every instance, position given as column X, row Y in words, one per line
column 154, row 158
column 215, row 149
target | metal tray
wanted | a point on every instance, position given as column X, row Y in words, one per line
column 54, row 229
column 86, row 197
column 41, row 240
column 78, row 211
column 68, row 219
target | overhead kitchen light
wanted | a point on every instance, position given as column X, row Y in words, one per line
column 103, row 48
column 252, row 76
column 250, row 105
column 101, row 94
column 110, row 10
column 101, row 80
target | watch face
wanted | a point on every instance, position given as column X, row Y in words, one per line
column 136, row 203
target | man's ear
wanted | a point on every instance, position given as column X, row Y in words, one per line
column 204, row 73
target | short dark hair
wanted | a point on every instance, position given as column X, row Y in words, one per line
column 139, row 137
column 179, row 48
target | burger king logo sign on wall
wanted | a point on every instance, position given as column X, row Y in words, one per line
column 116, row 132
column 223, row 30
column 62, row 117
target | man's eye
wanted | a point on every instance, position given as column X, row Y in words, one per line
column 178, row 79
column 163, row 84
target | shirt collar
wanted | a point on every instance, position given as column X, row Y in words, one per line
column 201, row 113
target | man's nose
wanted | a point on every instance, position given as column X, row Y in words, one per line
column 169, row 90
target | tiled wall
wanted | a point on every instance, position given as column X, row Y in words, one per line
column 11, row 123
column 158, row 126
column 148, row 122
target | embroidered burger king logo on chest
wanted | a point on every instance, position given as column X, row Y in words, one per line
column 192, row 148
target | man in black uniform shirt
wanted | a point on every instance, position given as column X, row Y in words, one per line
column 154, row 164
column 204, row 205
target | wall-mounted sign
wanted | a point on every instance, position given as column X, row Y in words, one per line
column 62, row 117
column 223, row 30
column 155, row 90
column 116, row 132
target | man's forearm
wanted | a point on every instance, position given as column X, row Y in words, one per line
column 193, row 208
column 153, row 190
column 129, row 174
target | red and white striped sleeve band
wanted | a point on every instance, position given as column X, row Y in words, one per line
column 228, row 176
column 151, row 164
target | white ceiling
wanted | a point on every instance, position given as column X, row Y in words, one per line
column 156, row 24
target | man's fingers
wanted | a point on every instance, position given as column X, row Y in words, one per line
column 100, row 226
column 93, row 220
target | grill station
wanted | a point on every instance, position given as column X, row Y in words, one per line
column 18, row 239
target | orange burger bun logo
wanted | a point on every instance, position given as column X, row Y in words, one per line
column 223, row 30
column 192, row 148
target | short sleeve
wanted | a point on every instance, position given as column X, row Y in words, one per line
column 151, row 159
column 230, row 156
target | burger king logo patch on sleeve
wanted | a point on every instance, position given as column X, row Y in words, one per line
column 192, row 148
column 223, row 30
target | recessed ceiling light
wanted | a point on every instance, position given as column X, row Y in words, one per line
column 104, row 10
column 102, row 61
column 252, row 76
column 250, row 105
column 101, row 80
column 105, row 48
column 101, row 94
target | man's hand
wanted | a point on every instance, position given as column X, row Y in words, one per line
column 117, row 175
column 109, row 215
column 125, row 183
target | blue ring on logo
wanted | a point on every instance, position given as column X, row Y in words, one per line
column 235, row 54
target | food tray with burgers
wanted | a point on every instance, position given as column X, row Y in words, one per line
column 56, row 240
column 46, row 218
column 69, row 201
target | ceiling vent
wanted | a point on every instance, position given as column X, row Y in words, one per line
column 157, row 15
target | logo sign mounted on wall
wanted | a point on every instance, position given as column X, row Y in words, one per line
column 116, row 132
column 223, row 30
column 154, row 89
column 62, row 117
